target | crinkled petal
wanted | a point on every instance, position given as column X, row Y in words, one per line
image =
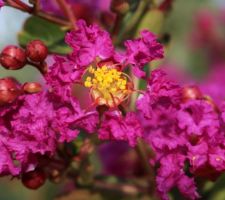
column 89, row 43
column 116, row 127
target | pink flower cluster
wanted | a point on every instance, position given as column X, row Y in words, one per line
column 181, row 132
column 186, row 135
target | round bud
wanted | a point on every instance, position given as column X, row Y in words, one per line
column 32, row 87
column 36, row 51
column 13, row 57
column 34, row 179
column 190, row 93
column 9, row 90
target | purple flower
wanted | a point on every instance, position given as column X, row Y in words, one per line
column 171, row 174
column 162, row 132
column 141, row 51
column 116, row 127
column 88, row 43
column 26, row 133
column 62, row 75
column 157, row 110
column 160, row 92
column 29, row 131
column 198, row 117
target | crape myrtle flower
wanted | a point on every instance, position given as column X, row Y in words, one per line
column 94, row 64
column 33, row 125
column 141, row 51
column 158, row 109
column 181, row 131
column 170, row 174
column 206, row 144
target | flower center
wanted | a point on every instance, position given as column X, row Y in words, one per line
column 108, row 86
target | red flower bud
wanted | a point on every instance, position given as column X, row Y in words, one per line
column 32, row 87
column 13, row 57
column 9, row 90
column 191, row 92
column 36, row 51
column 34, row 179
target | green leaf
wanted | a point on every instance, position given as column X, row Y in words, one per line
column 51, row 34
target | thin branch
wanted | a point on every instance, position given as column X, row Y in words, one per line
column 54, row 19
column 43, row 15
column 67, row 11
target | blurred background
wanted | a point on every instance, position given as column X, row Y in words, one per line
column 196, row 48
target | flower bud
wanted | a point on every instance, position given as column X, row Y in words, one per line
column 32, row 87
column 120, row 6
column 34, row 179
column 190, row 93
column 9, row 90
column 36, row 51
column 13, row 57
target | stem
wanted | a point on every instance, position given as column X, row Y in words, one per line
column 131, row 20
column 68, row 12
column 42, row 67
column 134, row 94
column 142, row 152
column 23, row 5
column 25, row 8
column 54, row 19
column 128, row 189
column 37, row 5
column 116, row 27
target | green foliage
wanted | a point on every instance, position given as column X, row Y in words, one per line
column 51, row 34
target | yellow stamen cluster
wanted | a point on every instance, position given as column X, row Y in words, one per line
column 108, row 85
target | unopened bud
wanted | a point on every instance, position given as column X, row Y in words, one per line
column 190, row 93
column 9, row 90
column 32, row 87
column 13, row 57
column 34, row 179
column 36, row 51
column 120, row 6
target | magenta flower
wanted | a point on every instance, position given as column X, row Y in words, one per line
column 158, row 109
column 29, row 131
column 160, row 92
column 198, row 117
column 88, row 43
column 94, row 58
column 141, row 51
column 171, row 174
column 114, row 127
